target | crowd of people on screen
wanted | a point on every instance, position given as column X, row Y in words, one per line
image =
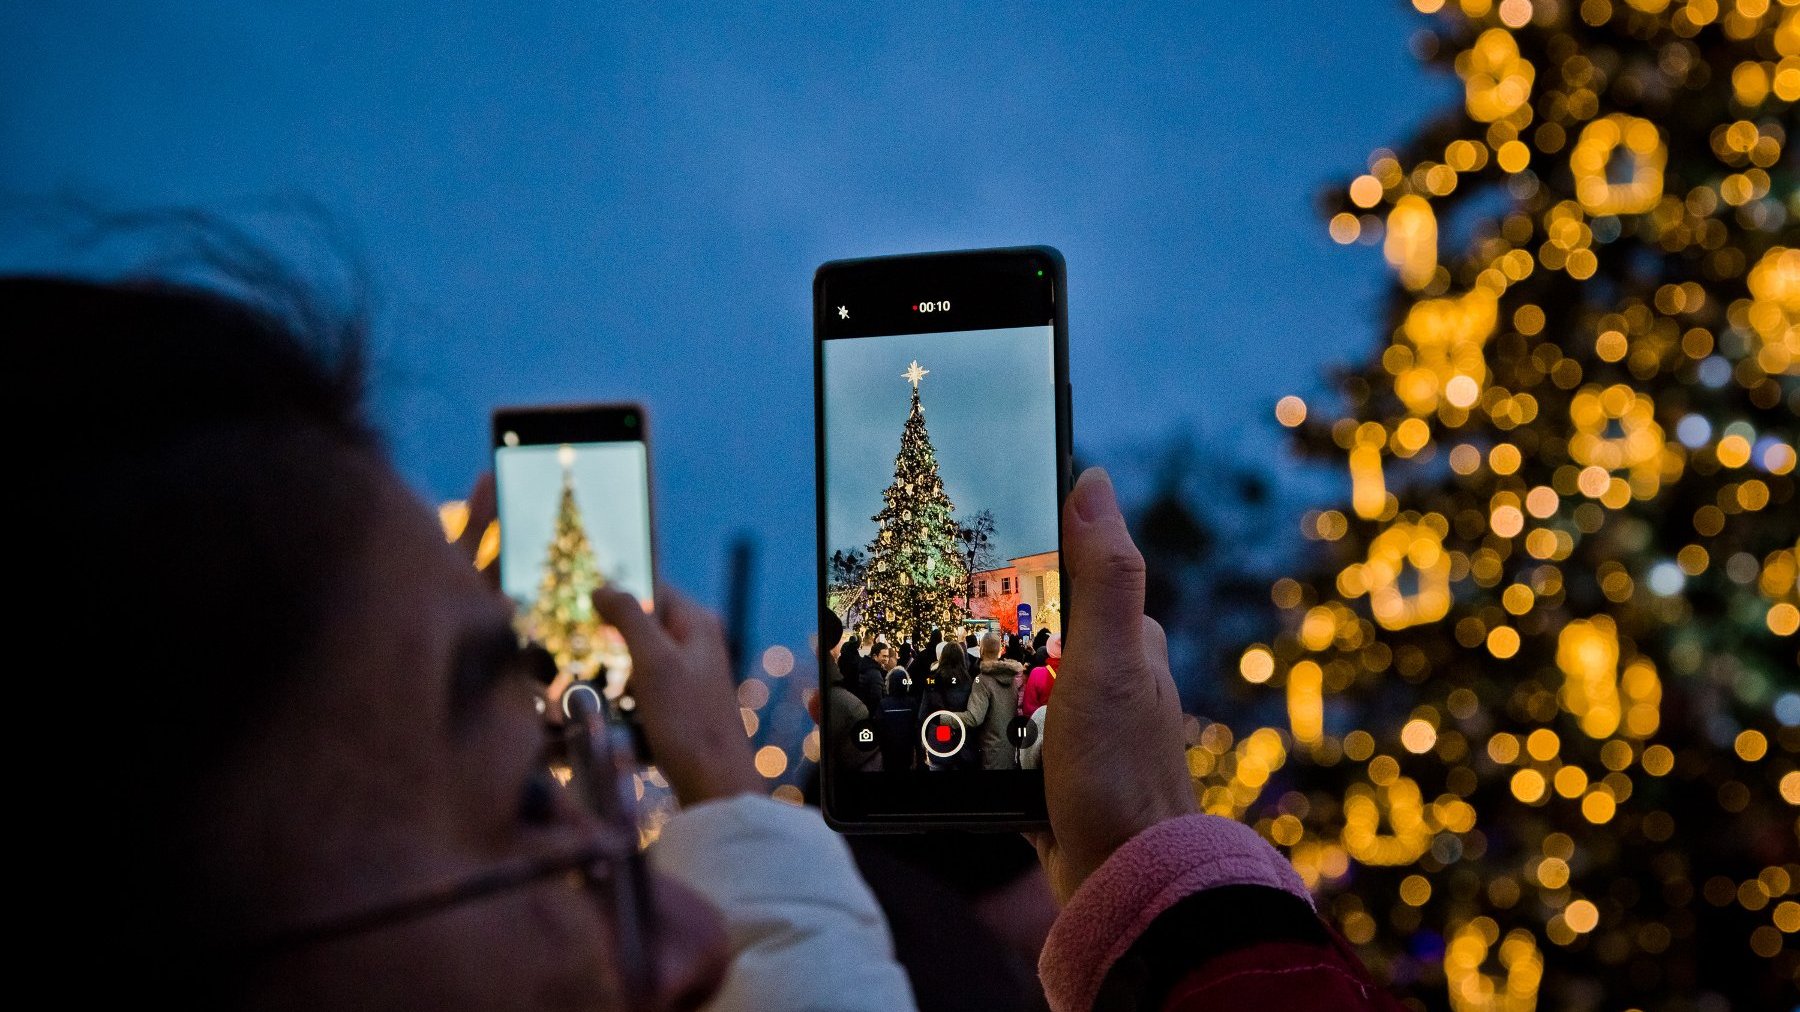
column 965, row 701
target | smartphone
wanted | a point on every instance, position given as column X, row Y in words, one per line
column 573, row 495
column 926, row 367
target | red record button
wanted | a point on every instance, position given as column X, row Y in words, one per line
column 943, row 734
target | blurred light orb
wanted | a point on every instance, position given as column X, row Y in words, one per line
column 1582, row 916
column 771, row 761
column 1290, row 411
column 1751, row 745
column 1694, row 431
column 1257, row 665
column 1418, row 736
column 1503, row 642
column 1667, row 579
column 778, row 661
column 1787, row 709
column 753, row 694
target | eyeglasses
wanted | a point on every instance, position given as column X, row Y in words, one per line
column 610, row 869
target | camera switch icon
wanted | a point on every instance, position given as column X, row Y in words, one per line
column 862, row 735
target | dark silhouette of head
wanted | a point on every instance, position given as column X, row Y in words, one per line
column 329, row 708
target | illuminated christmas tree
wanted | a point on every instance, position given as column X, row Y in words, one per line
column 915, row 577
column 563, row 618
column 1541, row 693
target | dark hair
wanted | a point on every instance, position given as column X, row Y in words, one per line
column 210, row 485
column 953, row 661
column 540, row 662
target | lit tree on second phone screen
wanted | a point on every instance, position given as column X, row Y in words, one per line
column 563, row 619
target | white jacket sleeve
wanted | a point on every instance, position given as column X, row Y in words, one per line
column 805, row 931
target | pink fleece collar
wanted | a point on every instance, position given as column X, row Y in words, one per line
column 1149, row 874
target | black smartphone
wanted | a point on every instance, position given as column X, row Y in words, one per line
column 573, row 495
column 942, row 409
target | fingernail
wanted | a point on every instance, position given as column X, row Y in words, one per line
column 1093, row 495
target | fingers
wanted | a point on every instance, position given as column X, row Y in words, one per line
column 1156, row 644
column 622, row 612
column 684, row 619
column 481, row 516
column 1105, row 567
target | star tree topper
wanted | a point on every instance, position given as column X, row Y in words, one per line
column 914, row 374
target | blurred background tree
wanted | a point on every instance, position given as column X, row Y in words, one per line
column 1211, row 546
column 1530, row 724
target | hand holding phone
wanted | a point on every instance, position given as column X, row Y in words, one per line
column 686, row 704
column 1104, row 787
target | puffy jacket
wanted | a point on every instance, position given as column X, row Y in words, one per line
column 804, row 930
column 870, row 682
column 1200, row 913
column 993, row 703
column 1038, row 685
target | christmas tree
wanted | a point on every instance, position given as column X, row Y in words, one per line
column 1541, row 693
column 915, row 577
column 563, row 618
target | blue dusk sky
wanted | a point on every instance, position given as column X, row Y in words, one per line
column 990, row 409
column 562, row 201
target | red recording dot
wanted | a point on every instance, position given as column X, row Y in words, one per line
column 915, row 307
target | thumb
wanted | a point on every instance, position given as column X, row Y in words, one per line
column 1105, row 568
column 622, row 612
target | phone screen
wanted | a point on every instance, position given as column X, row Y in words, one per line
column 573, row 489
column 943, row 463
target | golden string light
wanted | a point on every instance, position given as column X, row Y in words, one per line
column 1474, row 990
column 1442, row 358
column 1591, row 163
column 1364, row 806
column 1306, row 705
column 1587, row 651
column 1404, row 548
column 1411, row 243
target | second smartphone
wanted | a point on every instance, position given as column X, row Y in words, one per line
column 942, row 411
column 573, row 495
